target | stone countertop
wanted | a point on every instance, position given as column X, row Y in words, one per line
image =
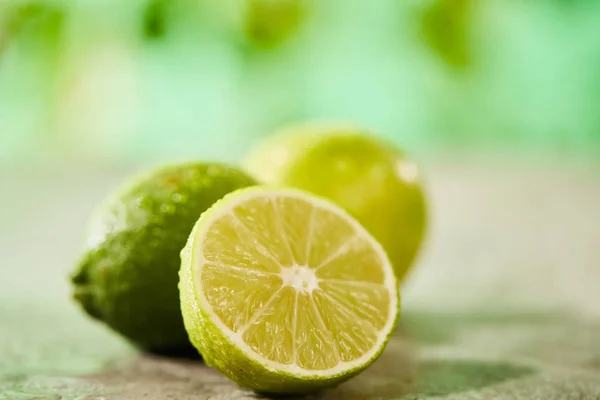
column 503, row 304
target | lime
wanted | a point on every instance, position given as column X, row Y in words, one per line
column 129, row 272
column 372, row 180
column 284, row 292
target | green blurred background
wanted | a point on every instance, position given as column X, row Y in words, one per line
column 113, row 81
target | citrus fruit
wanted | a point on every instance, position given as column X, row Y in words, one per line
column 128, row 274
column 368, row 177
column 284, row 292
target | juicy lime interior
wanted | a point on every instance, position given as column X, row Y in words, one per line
column 297, row 282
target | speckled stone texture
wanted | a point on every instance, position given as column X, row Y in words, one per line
column 504, row 303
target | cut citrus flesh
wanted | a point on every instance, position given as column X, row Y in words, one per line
column 292, row 282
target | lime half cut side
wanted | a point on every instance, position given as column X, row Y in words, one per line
column 285, row 292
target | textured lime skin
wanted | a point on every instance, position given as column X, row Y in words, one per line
column 221, row 353
column 128, row 275
column 368, row 177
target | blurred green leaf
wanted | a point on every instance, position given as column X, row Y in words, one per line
column 268, row 23
column 445, row 27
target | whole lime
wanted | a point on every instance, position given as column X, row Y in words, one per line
column 370, row 178
column 128, row 274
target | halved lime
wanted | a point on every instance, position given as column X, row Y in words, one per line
column 284, row 292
